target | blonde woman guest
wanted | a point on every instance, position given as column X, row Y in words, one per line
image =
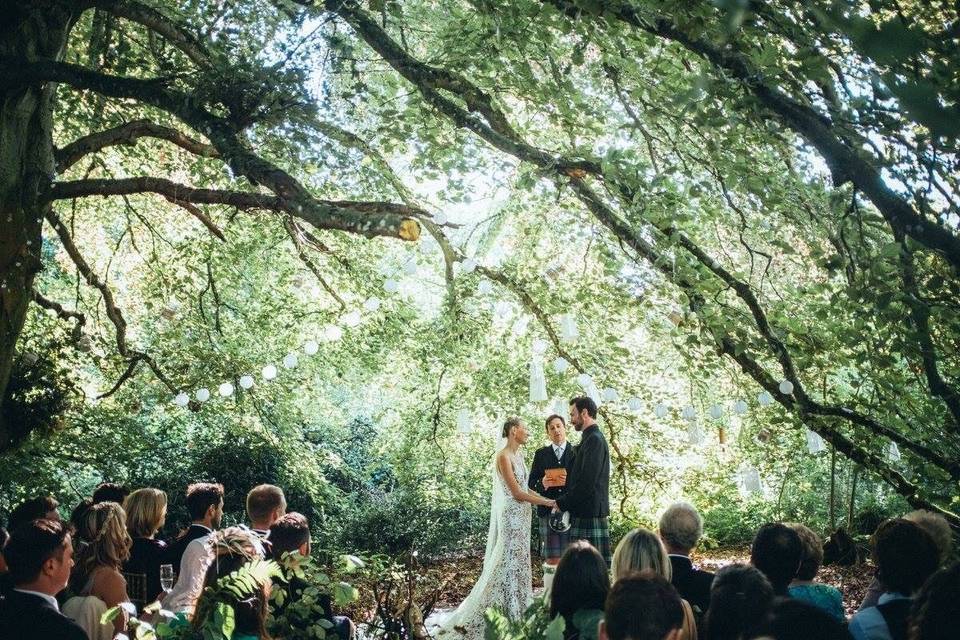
column 96, row 580
column 146, row 514
column 641, row 550
column 803, row 587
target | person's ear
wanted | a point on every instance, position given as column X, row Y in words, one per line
column 304, row 549
column 674, row 634
column 602, row 630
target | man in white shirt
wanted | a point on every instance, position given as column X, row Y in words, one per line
column 205, row 503
column 548, row 478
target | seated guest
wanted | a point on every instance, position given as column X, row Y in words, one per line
column 740, row 599
column 40, row 556
column 110, row 492
column 77, row 517
column 776, row 551
column 33, row 509
column 792, row 619
column 938, row 528
column 146, row 512
column 642, row 606
column 803, row 587
column 641, row 549
column 936, row 609
column 905, row 556
column 96, row 582
column 265, row 504
column 289, row 534
column 205, row 504
column 680, row 529
column 580, row 584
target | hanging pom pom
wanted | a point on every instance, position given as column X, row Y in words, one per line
column 584, row 380
column 372, row 304
column 440, row 218
column 485, row 287
column 332, row 333
column 689, row 412
column 568, row 328
column 716, row 411
column 246, row 382
column 391, row 286
column 609, row 394
column 815, row 443
column 635, row 404
column 469, row 265
column 410, row 268
column 538, row 382
column 695, row 433
column 786, row 387
column 560, row 365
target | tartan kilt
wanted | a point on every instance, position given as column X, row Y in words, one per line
column 552, row 544
column 596, row 531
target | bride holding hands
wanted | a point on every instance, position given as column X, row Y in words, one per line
column 506, row 582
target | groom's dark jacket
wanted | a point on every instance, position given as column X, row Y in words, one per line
column 588, row 480
column 544, row 459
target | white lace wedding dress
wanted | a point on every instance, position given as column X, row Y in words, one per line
column 506, row 582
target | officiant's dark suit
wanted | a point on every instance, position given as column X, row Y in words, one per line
column 546, row 458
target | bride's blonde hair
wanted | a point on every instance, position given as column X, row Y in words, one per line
column 511, row 422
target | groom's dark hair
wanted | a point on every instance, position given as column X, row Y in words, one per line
column 585, row 402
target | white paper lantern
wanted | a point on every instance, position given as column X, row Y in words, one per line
column 560, row 407
column 609, row 394
column 181, row 399
column 750, row 481
column 716, row 411
column 695, row 434
column 815, row 443
column 584, row 380
column 893, row 452
column 539, row 346
column 740, row 407
column 269, row 372
column 410, row 267
column 485, row 287
column 689, row 412
column 786, row 387
column 290, row 361
column 560, row 365
column 538, row 382
column 520, row 326
column 225, row 390
column 660, row 410
column 202, row 394
column 568, row 328
column 372, row 304
column 634, row 404
column 332, row 333
column 246, row 382
column 440, row 218
column 463, row 421
column 765, row 399
column 469, row 265
column 351, row 319
column 391, row 286
column 310, row 347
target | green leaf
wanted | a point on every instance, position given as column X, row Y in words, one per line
column 555, row 629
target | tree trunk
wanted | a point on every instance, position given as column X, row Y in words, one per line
column 833, row 489
column 37, row 30
column 853, row 498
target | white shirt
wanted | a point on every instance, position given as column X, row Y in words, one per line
column 193, row 568
column 45, row 596
column 558, row 449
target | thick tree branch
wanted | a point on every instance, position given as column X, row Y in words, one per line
column 160, row 24
column 79, row 319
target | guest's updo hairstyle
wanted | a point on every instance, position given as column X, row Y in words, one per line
column 511, row 422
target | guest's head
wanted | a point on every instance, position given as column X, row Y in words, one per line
column 642, row 606
column 40, row 556
column 583, row 412
column 33, row 509
column 205, row 503
column 740, row 598
column 938, row 528
column 146, row 511
column 905, row 555
column 556, row 429
column 581, row 582
column 514, row 429
column 109, row 544
column 233, row 548
column 110, row 492
column 680, row 528
column 638, row 550
column 290, row 533
column 798, row 620
column 776, row 551
column 936, row 608
column 77, row 518
column 265, row 504
column 811, row 556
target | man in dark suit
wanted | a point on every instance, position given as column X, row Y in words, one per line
column 558, row 455
column 205, row 505
column 40, row 556
column 680, row 530
column 587, row 496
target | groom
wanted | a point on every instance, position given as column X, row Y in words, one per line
column 587, row 497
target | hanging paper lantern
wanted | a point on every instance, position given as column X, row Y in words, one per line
column 269, row 372
column 765, row 399
column 660, row 410
column 584, row 380
column 815, row 443
column 440, row 218
column 225, row 390
column 463, row 421
column 469, row 265
column 689, row 412
column 202, row 394
column 485, row 287
column 310, row 347
column 609, row 394
column 539, row 346
column 391, row 286
column 372, row 304
column 634, row 404
column 559, row 407
column 520, row 326
column 246, row 382
column 410, row 268
column 750, row 481
column 786, row 387
column 695, row 433
column 290, row 361
column 716, row 411
column 351, row 319
column 181, row 399
column 893, row 452
column 332, row 333
column 538, row 382
column 560, row 364
column 568, row 328
column 740, row 407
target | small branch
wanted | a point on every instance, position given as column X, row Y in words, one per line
column 62, row 313
column 163, row 25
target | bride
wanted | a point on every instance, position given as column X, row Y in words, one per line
column 505, row 582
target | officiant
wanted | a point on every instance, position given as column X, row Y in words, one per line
column 548, row 477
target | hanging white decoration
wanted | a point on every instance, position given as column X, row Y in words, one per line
column 410, row 268
column 568, row 328
column 560, row 365
column 463, row 421
column 538, row 382
column 202, row 394
column 716, row 411
column 269, row 372
column 893, row 452
column 695, row 434
column 539, row 347
column 520, row 326
column 485, row 287
column 372, row 304
column 740, row 407
column 786, row 387
column 290, row 361
column 440, row 218
column 310, row 347
column 246, row 382
column 635, row 404
column 593, row 392
column 765, row 399
column 660, row 410
column 469, row 265
column 689, row 412
column 584, row 380
column 332, row 333
column 391, row 286
column 351, row 319
column 181, row 399
column 815, row 443
column 609, row 394
column 502, row 308
column 225, row 390
column 749, row 480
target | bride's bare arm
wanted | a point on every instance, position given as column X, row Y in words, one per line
column 506, row 472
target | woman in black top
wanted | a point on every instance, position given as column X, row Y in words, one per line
column 146, row 513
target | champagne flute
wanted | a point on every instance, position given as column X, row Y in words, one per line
column 166, row 576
